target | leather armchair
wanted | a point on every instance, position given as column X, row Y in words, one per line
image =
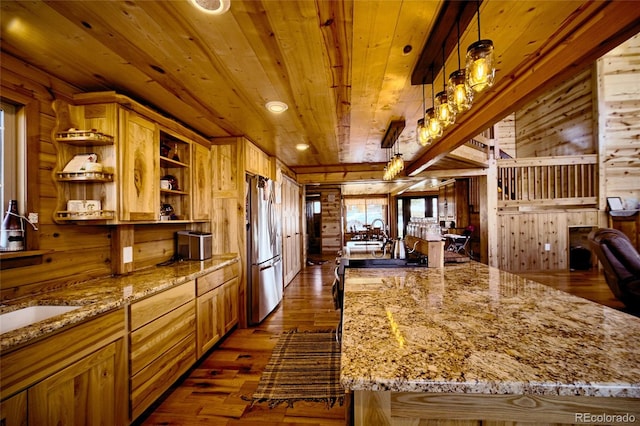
column 621, row 263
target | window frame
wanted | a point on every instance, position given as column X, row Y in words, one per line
column 29, row 107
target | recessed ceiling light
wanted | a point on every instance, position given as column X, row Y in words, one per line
column 302, row 146
column 213, row 7
column 277, row 106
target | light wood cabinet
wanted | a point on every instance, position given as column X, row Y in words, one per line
column 139, row 196
column 13, row 411
column 161, row 343
column 256, row 161
column 209, row 327
column 77, row 376
column 291, row 229
column 74, row 139
column 137, row 147
column 228, row 304
column 217, row 306
column 202, row 187
column 84, row 393
column 175, row 167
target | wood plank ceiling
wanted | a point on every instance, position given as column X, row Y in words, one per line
column 343, row 67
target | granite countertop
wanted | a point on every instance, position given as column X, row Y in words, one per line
column 470, row 328
column 105, row 294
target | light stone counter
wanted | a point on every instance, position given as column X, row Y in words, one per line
column 472, row 329
column 105, row 294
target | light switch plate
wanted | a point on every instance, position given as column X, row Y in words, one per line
column 127, row 254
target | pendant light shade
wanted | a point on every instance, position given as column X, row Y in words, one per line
column 433, row 124
column 443, row 110
column 422, row 133
column 459, row 94
column 444, row 113
column 480, row 69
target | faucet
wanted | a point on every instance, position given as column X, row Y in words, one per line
column 385, row 238
column 384, row 227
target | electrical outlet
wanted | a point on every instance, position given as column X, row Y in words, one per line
column 33, row 218
column 547, row 246
column 127, row 254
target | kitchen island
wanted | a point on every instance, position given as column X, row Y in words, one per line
column 469, row 343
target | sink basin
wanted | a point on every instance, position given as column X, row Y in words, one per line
column 31, row 315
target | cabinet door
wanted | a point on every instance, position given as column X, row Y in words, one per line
column 208, row 326
column 140, row 181
column 228, row 304
column 13, row 411
column 201, row 192
column 85, row 393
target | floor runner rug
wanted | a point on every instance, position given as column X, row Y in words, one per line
column 304, row 366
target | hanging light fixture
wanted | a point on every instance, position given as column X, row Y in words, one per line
column 480, row 68
column 459, row 96
column 422, row 133
column 433, row 124
column 398, row 161
column 443, row 111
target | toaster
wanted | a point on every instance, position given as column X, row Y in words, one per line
column 194, row 245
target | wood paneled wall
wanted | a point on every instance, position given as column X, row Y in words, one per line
column 619, row 109
column 505, row 134
column 560, row 122
column 75, row 253
column 522, row 237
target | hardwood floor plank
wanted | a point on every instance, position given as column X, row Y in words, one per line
column 213, row 391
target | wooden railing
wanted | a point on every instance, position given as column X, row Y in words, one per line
column 548, row 181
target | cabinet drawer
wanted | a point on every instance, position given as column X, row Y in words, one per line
column 155, row 338
column 147, row 310
column 216, row 278
column 154, row 379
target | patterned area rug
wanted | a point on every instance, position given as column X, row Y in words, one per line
column 304, row 366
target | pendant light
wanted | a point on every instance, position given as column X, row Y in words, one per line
column 387, row 171
column 443, row 110
column 433, row 124
column 458, row 93
column 480, row 68
column 398, row 162
column 422, row 134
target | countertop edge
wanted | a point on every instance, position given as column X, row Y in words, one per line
column 141, row 284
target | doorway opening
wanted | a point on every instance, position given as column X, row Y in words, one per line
column 313, row 209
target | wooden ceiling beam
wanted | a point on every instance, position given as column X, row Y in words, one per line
column 443, row 35
column 594, row 29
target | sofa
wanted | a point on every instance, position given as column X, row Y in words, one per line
column 621, row 263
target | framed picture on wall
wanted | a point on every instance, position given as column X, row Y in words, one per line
column 614, row 203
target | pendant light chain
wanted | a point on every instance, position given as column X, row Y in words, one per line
column 458, row 28
column 478, row 14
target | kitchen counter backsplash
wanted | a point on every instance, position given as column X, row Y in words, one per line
column 104, row 294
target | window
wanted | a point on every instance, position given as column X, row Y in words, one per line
column 415, row 207
column 361, row 212
column 12, row 156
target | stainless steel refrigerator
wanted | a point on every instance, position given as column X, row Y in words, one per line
column 264, row 242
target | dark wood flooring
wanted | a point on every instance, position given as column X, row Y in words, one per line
column 212, row 392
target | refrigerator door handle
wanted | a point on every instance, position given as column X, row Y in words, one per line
column 266, row 267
